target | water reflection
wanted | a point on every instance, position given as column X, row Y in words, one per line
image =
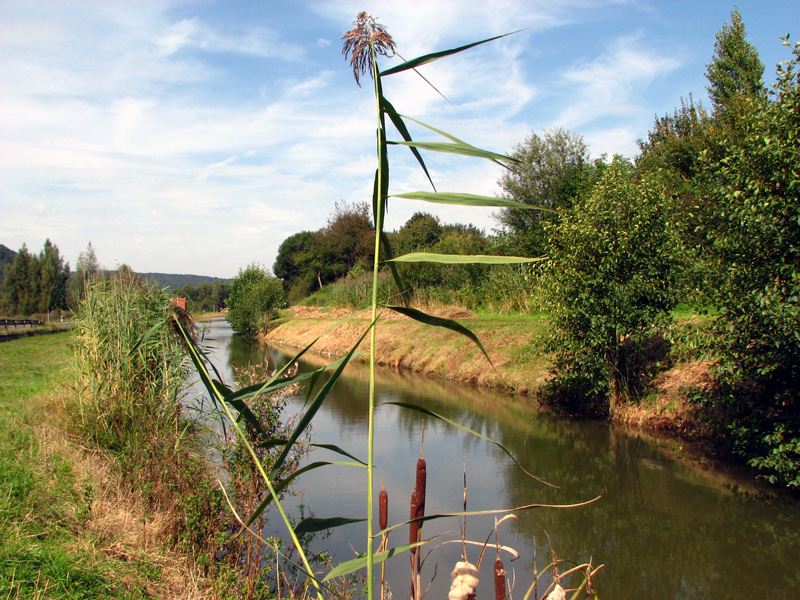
column 666, row 526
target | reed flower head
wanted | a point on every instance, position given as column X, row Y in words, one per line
column 359, row 41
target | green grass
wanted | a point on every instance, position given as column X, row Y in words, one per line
column 44, row 504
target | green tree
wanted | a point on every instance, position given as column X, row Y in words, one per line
column 21, row 284
column 347, row 239
column 54, row 279
column 420, row 233
column 552, row 170
column 736, row 70
column 296, row 264
column 611, row 284
column 254, row 298
column 756, row 243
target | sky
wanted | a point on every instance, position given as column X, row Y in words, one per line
column 194, row 136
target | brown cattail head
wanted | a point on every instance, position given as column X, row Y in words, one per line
column 413, row 529
column 383, row 504
column 418, row 499
column 499, row 580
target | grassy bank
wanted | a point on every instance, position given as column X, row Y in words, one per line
column 407, row 344
column 70, row 528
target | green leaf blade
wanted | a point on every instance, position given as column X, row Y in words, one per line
column 462, row 199
column 456, row 259
column 423, row 317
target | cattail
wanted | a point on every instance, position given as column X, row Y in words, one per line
column 383, row 504
column 465, row 582
column 418, row 500
column 499, row 580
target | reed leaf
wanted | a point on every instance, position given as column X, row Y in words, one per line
column 315, row 405
column 429, row 58
column 496, row 511
column 283, row 484
column 462, row 149
column 462, row 199
column 430, row 413
column 422, row 317
column 271, row 443
column 457, row 259
column 397, row 120
column 351, row 566
column 314, row 524
column 218, row 391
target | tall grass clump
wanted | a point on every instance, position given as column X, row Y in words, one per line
column 130, row 377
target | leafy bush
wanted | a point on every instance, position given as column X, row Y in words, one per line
column 254, row 298
column 611, row 284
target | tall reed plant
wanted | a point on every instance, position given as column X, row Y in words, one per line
column 364, row 44
column 126, row 382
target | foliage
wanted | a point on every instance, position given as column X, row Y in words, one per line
column 756, row 242
column 7, row 256
column 123, row 382
column 736, row 71
column 86, row 271
column 254, row 298
column 312, row 259
column 205, row 297
column 295, row 264
column 131, row 376
column 552, row 171
column 35, row 283
column 611, row 284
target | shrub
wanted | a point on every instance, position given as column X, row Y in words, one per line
column 611, row 284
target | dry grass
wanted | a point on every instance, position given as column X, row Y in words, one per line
column 118, row 528
column 667, row 409
column 408, row 344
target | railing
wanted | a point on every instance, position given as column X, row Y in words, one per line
column 14, row 323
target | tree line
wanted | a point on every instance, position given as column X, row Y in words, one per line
column 35, row 283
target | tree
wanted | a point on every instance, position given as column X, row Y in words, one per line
column 294, row 264
column 552, row 171
column 756, row 243
column 86, row 269
column 54, row 279
column 420, row 233
column 254, row 298
column 21, row 284
column 611, row 283
column 348, row 238
column 736, row 70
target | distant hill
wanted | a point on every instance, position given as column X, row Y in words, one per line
column 174, row 282
column 7, row 256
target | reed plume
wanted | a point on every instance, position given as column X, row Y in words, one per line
column 366, row 36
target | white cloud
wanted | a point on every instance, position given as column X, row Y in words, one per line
column 612, row 83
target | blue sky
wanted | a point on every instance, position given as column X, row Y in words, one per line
column 195, row 136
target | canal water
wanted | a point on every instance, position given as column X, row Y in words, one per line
column 666, row 525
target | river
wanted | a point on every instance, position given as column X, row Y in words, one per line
column 667, row 525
